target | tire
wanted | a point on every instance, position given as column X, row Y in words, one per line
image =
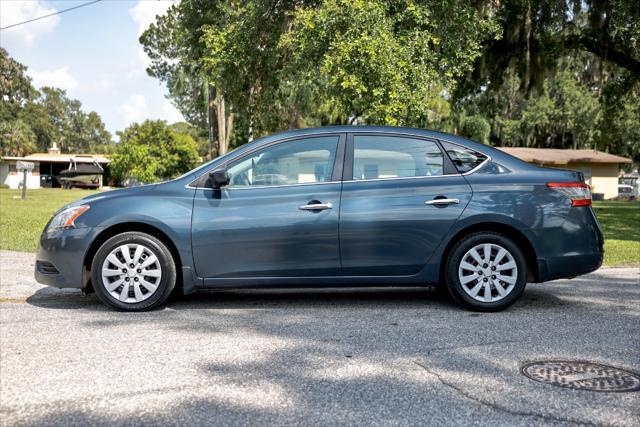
column 464, row 275
column 147, row 285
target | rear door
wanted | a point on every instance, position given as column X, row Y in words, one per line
column 400, row 196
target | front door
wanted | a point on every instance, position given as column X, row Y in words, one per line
column 278, row 217
column 400, row 197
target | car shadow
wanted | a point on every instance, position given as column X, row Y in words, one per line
column 288, row 298
column 67, row 299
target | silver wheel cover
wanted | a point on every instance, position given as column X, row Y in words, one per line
column 131, row 273
column 488, row 272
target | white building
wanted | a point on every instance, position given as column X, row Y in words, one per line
column 47, row 167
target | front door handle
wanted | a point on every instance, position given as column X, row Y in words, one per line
column 442, row 202
column 316, row 207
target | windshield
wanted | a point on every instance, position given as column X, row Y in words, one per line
column 206, row 165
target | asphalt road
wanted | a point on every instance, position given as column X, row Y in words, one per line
column 311, row 357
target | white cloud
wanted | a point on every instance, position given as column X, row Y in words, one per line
column 170, row 113
column 13, row 12
column 58, row 78
column 103, row 84
column 144, row 13
column 135, row 108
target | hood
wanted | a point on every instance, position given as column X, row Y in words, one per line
column 111, row 194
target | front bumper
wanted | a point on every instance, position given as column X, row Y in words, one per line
column 60, row 258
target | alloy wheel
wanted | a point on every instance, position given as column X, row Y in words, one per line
column 488, row 272
column 131, row 273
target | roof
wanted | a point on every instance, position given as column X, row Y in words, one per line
column 62, row 158
column 554, row 156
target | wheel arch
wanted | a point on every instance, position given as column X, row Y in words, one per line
column 506, row 230
column 124, row 227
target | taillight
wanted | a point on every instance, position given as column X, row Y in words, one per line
column 578, row 192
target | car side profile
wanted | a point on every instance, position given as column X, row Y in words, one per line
column 333, row 206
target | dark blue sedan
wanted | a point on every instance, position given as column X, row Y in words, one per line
column 335, row 206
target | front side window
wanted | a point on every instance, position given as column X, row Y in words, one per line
column 377, row 157
column 303, row 161
column 464, row 159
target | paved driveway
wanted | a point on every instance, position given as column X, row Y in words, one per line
column 311, row 357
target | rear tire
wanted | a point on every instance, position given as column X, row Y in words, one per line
column 485, row 271
column 133, row 271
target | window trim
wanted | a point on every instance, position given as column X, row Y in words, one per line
column 347, row 175
column 343, row 170
column 336, row 172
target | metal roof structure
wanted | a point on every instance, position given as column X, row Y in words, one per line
column 554, row 156
column 62, row 158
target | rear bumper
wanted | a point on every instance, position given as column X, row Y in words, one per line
column 575, row 248
column 60, row 258
column 568, row 266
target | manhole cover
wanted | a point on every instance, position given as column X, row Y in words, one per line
column 582, row 375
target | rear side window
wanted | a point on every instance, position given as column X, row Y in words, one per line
column 464, row 159
column 376, row 157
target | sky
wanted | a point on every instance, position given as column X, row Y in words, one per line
column 93, row 53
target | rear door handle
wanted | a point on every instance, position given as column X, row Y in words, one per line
column 316, row 207
column 442, row 202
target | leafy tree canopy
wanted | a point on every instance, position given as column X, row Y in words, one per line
column 559, row 73
column 151, row 151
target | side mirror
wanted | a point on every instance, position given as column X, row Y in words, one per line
column 219, row 178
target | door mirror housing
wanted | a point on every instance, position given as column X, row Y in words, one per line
column 219, row 178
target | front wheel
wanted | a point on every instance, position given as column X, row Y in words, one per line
column 485, row 272
column 133, row 272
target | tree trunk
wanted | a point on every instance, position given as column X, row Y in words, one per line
column 211, row 106
column 222, row 128
column 229, row 130
column 527, row 53
column 250, row 135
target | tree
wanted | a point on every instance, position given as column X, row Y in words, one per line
column 475, row 127
column 15, row 86
column 151, row 151
column 388, row 62
column 517, row 72
column 16, row 138
column 173, row 44
column 58, row 119
column 272, row 65
column 47, row 116
column 537, row 35
column 198, row 134
column 133, row 161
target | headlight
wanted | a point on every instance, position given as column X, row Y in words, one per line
column 66, row 218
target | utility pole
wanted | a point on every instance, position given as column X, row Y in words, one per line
column 24, row 184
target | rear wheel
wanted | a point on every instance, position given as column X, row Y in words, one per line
column 133, row 272
column 486, row 272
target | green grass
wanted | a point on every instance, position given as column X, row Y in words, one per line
column 22, row 221
column 620, row 222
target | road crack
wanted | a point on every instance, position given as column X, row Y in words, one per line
column 501, row 408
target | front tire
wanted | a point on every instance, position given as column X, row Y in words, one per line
column 133, row 271
column 485, row 271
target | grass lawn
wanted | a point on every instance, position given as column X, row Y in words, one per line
column 22, row 221
column 620, row 222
